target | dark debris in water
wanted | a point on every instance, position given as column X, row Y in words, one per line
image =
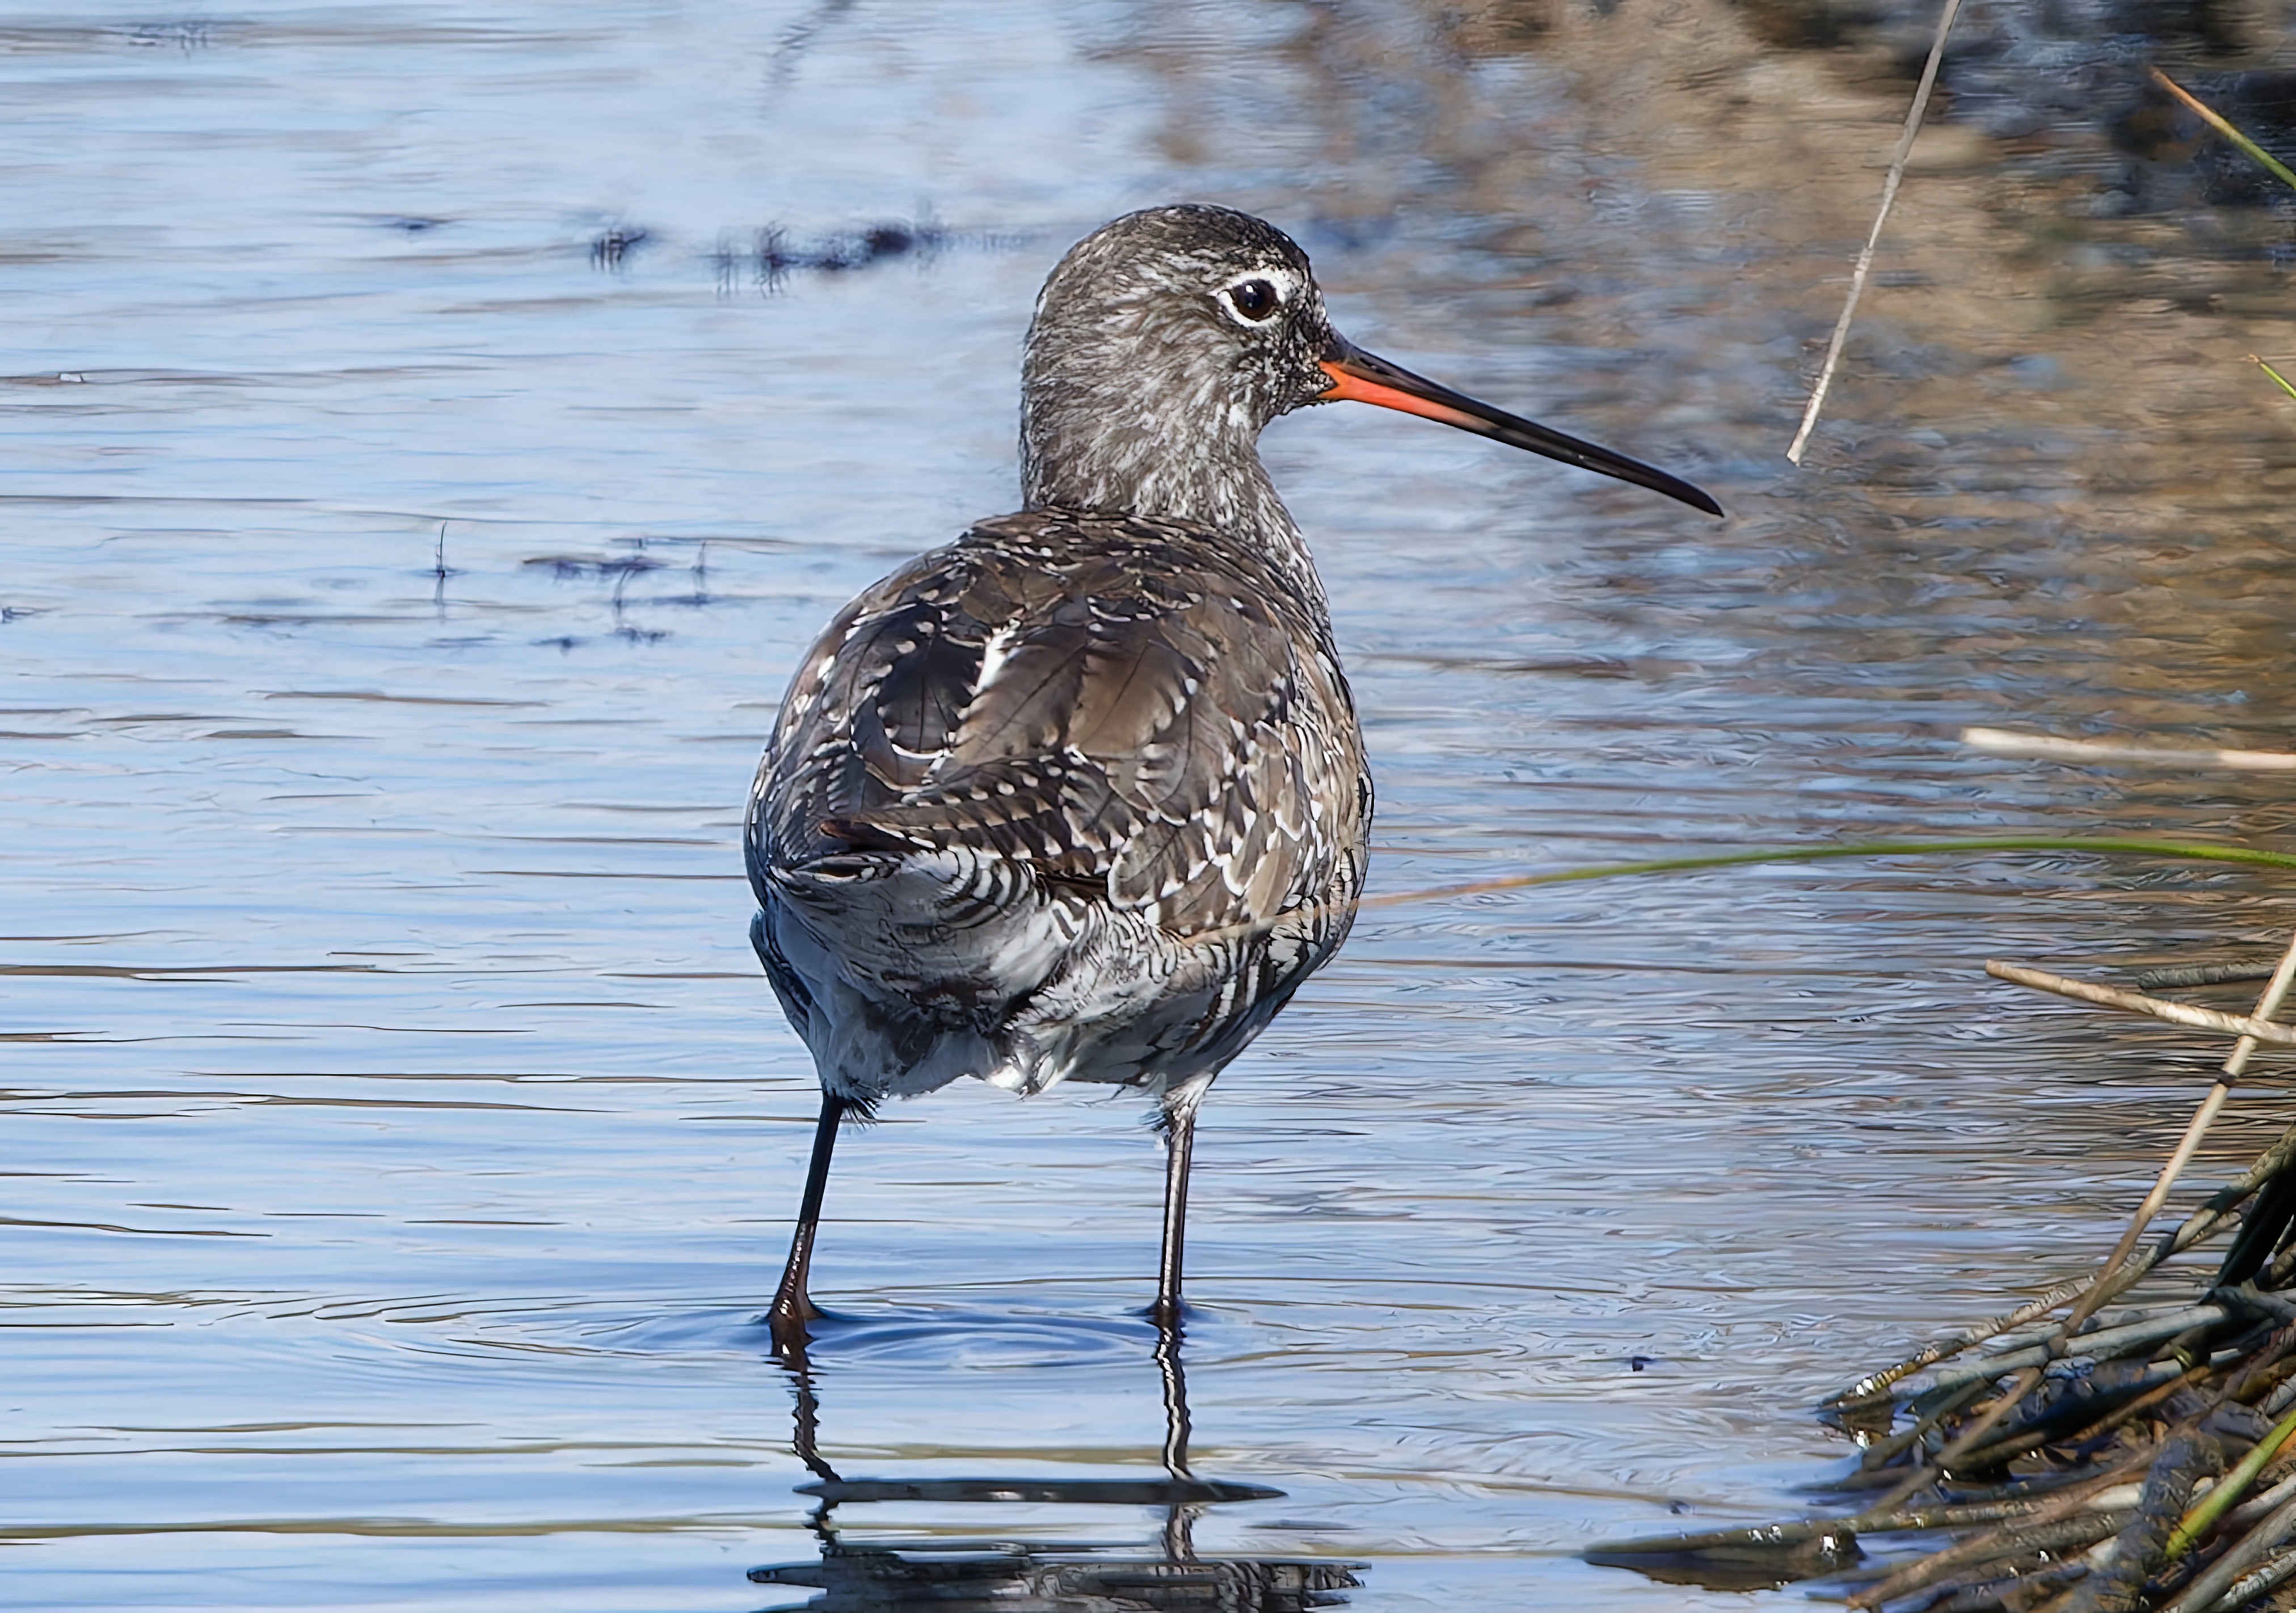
column 766, row 258
column 2204, row 974
column 772, row 255
column 616, row 566
column 610, row 248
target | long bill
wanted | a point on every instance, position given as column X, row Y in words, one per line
column 1361, row 377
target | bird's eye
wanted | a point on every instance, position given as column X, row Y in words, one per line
column 1255, row 300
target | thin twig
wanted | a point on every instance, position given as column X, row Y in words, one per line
column 2003, row 741
column 2235, row 1065
column 1873, row 236
column 2219, row 1501
column 2162, row 1380
column 1971, row 1437
column 2177, row 975
column 1915, row 1575
column 2246, row 1590
column 2202, row 1223
column 1881, row 1453
column 2205, row 1591
column 2137, row 1001
column 2104, row 1345
column 2286, row 385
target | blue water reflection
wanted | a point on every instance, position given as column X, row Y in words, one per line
column 434, row 433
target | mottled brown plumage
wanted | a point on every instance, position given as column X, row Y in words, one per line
column 1081, row 795
column 1161, row 760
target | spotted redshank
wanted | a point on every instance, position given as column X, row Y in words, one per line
column 1081, row 795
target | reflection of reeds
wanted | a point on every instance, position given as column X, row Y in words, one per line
column 2145, row 1460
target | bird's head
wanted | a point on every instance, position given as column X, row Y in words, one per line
column 1164, row 341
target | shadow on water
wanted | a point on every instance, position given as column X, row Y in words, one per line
column 863, row 1574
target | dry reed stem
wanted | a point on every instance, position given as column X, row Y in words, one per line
column 1929, row 1355
column 1913, row 1575
column 2168, row 1524
column 2093, row 845
column 2256, row 1507
column 2200, row 1518
column 2186, row 1456
column 2248, row 1590
column 2220, row 1499
column 2191, row 1378
column 1858, row 275
column 2003, row 741
column 1989, row 1417
column 2033, row 1438
column 2204, row 1592
column 2202, row 1223
column 2137, row 1003
column 2103, row 1344
column 2235, row 1065
column 1878, row 1455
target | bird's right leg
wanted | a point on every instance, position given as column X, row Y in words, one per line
column 1179, row 1144
column 793, row 1307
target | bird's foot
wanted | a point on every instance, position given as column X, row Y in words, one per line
column 791, row 1322
column 1169, row 1313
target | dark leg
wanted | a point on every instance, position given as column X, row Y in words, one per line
column 1179, row 1141
column 793, row 1307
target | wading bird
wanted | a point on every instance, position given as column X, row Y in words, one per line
column 1081, row 795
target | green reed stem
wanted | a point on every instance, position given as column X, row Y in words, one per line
column 2255, row 153
column 2218, row 1502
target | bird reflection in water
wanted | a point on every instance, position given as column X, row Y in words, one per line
column 949, row 1575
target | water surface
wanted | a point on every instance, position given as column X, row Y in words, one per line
column 435, row 432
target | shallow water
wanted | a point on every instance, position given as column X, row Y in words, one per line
column 400, row 1136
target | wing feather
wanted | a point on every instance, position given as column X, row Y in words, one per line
column 1126, row 705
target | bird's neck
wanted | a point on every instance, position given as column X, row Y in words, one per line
column 1120, row 465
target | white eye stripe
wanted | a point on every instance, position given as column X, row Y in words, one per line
column 1253, row 299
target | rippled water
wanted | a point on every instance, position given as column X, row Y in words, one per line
column 435, row 429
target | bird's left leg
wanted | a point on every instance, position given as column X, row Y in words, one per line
column 793, row 1307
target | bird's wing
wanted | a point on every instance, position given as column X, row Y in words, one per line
column 1122, row 704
